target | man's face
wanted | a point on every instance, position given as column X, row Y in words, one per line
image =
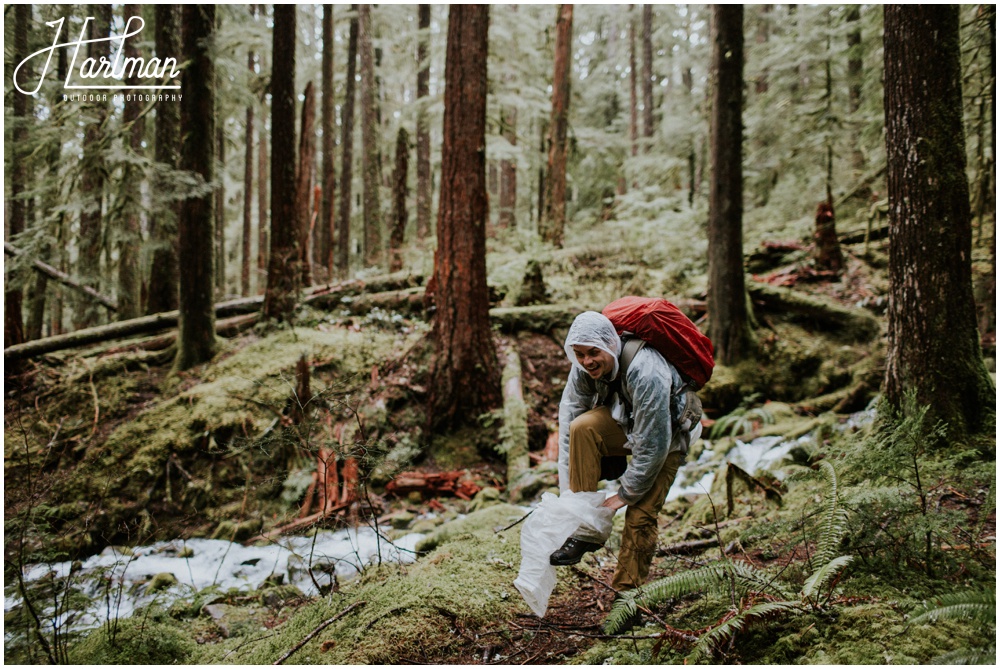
column 598, row 363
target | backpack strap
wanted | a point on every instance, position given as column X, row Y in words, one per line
column 692, row 411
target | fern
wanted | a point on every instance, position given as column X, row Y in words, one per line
column 969, row 656
column 834, row 524
column 824, row 575
column 976, row 605
column 755, row 615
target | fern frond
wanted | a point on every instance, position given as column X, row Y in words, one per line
column 824, row 575
column 834, row 523
column 623, row 608
column 976, row 605
column 758, row 614
column 968, row 656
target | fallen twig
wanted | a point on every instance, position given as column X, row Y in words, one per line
column 515, row 523
column 319, row 628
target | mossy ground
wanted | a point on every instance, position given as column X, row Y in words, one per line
column 119, row 451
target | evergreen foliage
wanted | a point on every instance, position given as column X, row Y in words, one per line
column 978, row 606
column 758, row 598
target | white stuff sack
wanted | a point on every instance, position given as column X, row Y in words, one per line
column 554, row 520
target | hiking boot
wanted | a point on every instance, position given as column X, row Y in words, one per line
column 572, row 552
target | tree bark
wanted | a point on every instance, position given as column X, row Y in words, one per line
column 554, row 221
column 370, row 138
column 729, row 327
column 329, row 177
column 304, row 181
column 130, row 236
column 633, row 100
column 647, row 75
column 465, row 368
column 399, row 192
column 854, row 83
column 13, row 325
column 347, row 151
column 220, row 210
column 283, row 274
column 196, row 340
column 92, row 178
column 163, row 273
column 508, row 175
column 424, row 187
column 762, row 36
column 934, row 349
column 263, row 236
column 247, row 189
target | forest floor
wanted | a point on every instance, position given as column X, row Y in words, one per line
column 107, row 447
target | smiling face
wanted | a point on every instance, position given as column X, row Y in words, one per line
column 595, row 361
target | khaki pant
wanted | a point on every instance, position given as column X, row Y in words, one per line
column 594, row 435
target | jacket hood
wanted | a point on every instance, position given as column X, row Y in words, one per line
column 593, row 329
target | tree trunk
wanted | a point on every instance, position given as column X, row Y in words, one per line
column 13, row 326
column 465, row 369
column 762, row 36
column 163, row 272
column 304, row 181
column 284, row 273
column 633, row 100
column 329, row 178
column 247, row 190
column 347, row 151
column 729, row 327
column 130, row 237
column 934, row 347
column 92, row 179
column 399, row 213
column 508, row 175
column 647, row 75
column 370, row 139
column 424, row 186
column 828, row 255
column 220, row 210
column 196, row 337
column 554, row 220
column 854, row 83
column 263, row 238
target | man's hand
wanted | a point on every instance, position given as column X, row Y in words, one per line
column 614, row 502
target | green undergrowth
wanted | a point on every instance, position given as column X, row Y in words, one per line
column 211, row 444
column 411, row 612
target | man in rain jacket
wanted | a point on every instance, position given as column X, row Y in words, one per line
column 602, row 418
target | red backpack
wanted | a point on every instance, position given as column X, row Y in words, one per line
column 659, row 323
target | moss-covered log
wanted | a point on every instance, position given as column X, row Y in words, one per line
column 853, row 324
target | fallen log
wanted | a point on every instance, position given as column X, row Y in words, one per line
column 433, row 485
column 63, row 278
column 331, row 296
column 515, row 420
column 167, row 320
column 855, row 324
column 130, row 328
column 688, row 547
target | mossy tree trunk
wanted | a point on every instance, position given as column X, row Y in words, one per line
column 347, row 150
column 129, row 234
column 934, row 348
column 399, row 192
column 163, row 273
column 92, row 181
column 247, row 188
column 304, row 181
column 284, row 273
column 648, row 127
column 424, row 187
column 13, row 325
column 728, row 314
column 465, row 371
column 196, row 242
column 371, row 162
column 329, row 177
